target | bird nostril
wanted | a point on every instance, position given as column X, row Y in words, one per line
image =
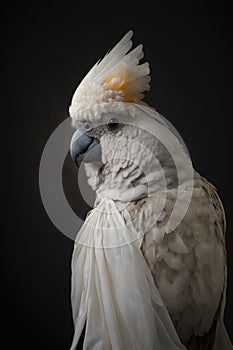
column 88, row 126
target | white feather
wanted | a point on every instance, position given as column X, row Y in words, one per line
column 117, row 81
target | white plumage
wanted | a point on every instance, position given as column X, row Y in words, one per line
column 117, row 78
column 188, row 260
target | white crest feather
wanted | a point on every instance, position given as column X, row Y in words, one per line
column 113, row 83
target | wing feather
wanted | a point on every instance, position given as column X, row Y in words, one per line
column 189, row 264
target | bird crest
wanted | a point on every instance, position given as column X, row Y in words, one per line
column 113, row 83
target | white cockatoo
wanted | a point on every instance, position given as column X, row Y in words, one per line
column 135, row 158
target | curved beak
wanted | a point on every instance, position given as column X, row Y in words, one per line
column 85, row 146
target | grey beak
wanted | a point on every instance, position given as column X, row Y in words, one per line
column 87, row 146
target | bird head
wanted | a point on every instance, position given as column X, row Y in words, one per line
column 118, row 137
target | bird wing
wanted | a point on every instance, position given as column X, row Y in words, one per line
column 189, row 263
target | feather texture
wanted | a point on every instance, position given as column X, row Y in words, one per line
column 189, row 263
column 118, row 78
column 148, row 177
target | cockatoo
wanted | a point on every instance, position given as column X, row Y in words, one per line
column 133, row 156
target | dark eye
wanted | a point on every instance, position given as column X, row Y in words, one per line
column 112, row 124
column 87, row 126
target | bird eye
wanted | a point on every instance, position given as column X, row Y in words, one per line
column 112, row 124
column 87, row 126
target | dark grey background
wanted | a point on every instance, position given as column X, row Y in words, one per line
column 46, row 51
